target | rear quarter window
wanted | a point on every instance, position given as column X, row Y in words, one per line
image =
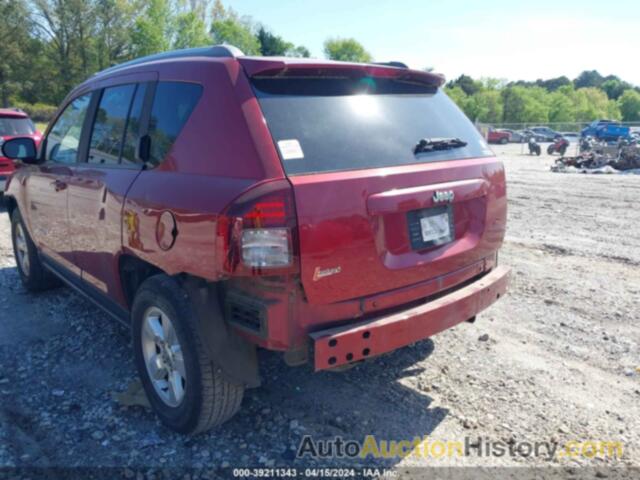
column 327, row 125
column 172, row 106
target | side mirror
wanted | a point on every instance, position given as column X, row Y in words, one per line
column 21, row 148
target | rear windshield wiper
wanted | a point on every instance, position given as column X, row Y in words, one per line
column 435, row 144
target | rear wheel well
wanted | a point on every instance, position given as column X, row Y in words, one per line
column 134, row 271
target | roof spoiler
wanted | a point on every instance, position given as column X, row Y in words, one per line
column 264, row 67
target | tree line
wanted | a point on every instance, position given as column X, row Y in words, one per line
column 588, row 97
column 49, row 46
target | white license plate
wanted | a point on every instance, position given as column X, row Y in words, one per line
column 435, row 227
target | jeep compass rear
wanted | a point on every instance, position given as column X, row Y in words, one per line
column 217, row 203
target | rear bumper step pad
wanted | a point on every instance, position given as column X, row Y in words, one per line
column 350, row 343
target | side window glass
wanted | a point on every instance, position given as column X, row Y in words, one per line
column 109, row 125
column 132, row 136
column 172, row 106
column 64, row 139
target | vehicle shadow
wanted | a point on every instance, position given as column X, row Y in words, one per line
column 369, row 399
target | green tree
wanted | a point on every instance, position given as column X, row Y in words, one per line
column 153, row 29
column 114, row 23
column 190, row 31
column 346, row 50
column 467, row 84
column 588, row 78
column 67, row 30
column 592, row 103
column 488, row 106
column 272, row 45
column 299, row 51
column 15, row 25
column 560, row 106
column 525, row 105
column 614, row 87
column 554, row 84
column 234, row 33
column 227, row 27
column 630, row 106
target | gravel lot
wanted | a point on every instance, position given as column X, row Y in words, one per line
column 555, row 360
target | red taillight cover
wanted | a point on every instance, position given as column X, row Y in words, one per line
column 268, row 205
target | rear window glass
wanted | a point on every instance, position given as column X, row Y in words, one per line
column 172, row 106
column 324, row 125
column 16, row 126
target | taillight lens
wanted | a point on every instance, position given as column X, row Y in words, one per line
column 266, row 247
column 261, row 231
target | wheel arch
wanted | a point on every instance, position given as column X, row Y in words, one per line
column 236, row 357
column 133, row 271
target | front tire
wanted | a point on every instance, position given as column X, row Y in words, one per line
column 34, row 276
column 504, row 141
column 186, row 389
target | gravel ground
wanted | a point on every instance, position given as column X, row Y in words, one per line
column 555, row 360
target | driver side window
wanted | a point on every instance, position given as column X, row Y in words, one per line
column 64, row 138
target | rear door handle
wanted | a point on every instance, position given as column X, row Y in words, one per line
column 59, row 185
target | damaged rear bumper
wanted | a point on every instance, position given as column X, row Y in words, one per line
column 350, row 343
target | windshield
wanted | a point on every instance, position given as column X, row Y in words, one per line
column 11, row 126
column 324, row 125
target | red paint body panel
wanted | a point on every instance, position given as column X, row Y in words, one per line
column 357, row 221
column 497, row 136
column 95, row 199
column 339, row 346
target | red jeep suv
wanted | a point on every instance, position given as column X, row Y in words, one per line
column 217, row 203
column 13, row 123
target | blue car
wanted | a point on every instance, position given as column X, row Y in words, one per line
column 605, row 130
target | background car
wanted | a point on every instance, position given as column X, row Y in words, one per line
column 498, row 136
column 515, row 136
column 14, row 123
column 537, row 136
column 545, row 134
column 605, row 130
column 571, row 136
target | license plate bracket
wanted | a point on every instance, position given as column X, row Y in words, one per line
column 430, row 227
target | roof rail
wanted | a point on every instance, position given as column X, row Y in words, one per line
column 392, row 64
column 213, row 51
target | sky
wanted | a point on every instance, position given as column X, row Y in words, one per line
column 510, row 40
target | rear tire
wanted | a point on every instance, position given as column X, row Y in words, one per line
column 186, row 389
column 504, row 141
column 34, row 276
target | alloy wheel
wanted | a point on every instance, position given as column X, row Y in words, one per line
column 163, row 357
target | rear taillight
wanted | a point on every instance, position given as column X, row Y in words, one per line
column 259, row 231
column 266, row 247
